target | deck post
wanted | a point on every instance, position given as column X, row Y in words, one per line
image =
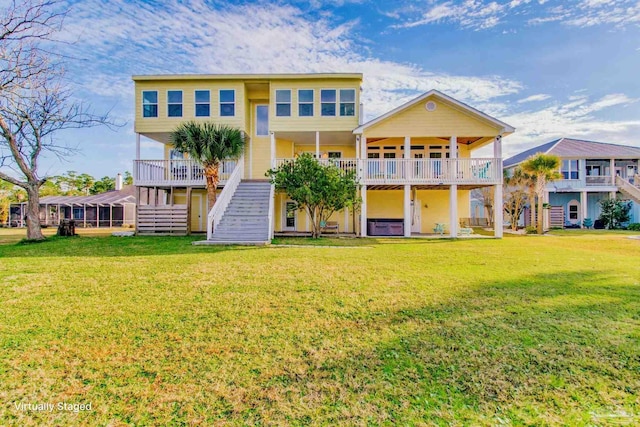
column 407, row 210
column 189, row 211
column 584, row 202
column 84, row 217
column 453, row 210
column 97, row 215
column 407, row 156
column 272, row 139
column 363, row 212
column 111, row 215
column 317, row 144
column 612, row 170
column 498, row 213
column 137, row 146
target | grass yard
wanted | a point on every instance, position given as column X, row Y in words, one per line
column 541, row 330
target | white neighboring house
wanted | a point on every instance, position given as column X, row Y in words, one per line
column 591, row 171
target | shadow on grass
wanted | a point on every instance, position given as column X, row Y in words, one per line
column 542, row 350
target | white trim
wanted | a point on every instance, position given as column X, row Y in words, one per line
column 220, row 103
column 142, row 104
column 453, row 210
column 174, row 103
column 313, row 102
column 336, row 103
column 506, row 128
column 195, row 103
column 283, row 224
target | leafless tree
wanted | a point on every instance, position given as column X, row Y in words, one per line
column 35, row 102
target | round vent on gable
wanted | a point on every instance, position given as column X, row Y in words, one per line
column 430, row 106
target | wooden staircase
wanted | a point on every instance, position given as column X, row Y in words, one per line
column 628, row 189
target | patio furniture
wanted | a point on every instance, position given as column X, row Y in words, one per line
column 439, row 228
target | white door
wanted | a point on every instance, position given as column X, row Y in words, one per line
column 289, row 216
column 416, row 216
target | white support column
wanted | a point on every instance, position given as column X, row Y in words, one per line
column 363, row 212
column 407, row 210
column 584, row 203
column 363, row 159
column 317, row 144
column 137, row 146
column 346, row 220
column 613, row 172
column 407, row 155
column 453, row 210
column 453, row 155
column 498, row 214
column 272, row 137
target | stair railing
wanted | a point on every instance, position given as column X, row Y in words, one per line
column 271, row 211
column 222, row 202
column 629, row 188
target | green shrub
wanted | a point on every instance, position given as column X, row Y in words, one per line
column 634, row 226
column 531, row 230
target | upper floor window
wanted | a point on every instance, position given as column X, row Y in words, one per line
column 149, row 103
column 305, row 103
column 227, row 102
column 570, row 169
column 283, row 103
column 347, row 102
column 174, row 103
column 203, row 103
column 328, row 102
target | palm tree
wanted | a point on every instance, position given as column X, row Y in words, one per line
column 210, row 144
column 544, row 168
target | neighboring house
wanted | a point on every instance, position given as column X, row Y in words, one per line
column 591, row 171
column 110, row 209
column 414, row 163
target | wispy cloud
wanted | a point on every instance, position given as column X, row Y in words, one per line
column 486, row 14
column 534, row 98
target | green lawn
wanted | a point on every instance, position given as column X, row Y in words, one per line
column 540, row 330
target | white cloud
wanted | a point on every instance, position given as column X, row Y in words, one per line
column 126, row 38
column 534, row 98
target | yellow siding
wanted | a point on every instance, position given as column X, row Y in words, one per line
column 317, row 122
column 162, row 123
column 434, row 205
column 284, row 149
column 303, row 224
column 199, row 207
column 444, row 121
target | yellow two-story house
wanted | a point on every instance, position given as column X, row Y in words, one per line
column 415, row 164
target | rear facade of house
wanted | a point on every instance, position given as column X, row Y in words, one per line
column 415, row 164
column 590, row 172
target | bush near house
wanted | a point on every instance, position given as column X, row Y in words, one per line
column 614, row 212
column 634, row 226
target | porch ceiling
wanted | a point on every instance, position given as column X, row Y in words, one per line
column 326, row 138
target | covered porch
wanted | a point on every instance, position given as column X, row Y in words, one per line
column 425, row 149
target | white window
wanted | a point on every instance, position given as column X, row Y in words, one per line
column 283, row 103
column 174, row 103
column 347, row 102
column 328, row 102
column 570, row 169
column 149, row 103
column 305, row 103
column 203, row 103
column 227, row 102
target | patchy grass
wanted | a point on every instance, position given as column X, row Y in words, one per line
column 155, row 331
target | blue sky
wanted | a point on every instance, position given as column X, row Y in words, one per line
column 549, row 68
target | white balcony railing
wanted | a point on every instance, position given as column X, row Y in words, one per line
column 421, row 171
column 183, row 172
column 602, row 181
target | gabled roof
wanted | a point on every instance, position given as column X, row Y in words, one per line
column 578, row 149
column 507, row 129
